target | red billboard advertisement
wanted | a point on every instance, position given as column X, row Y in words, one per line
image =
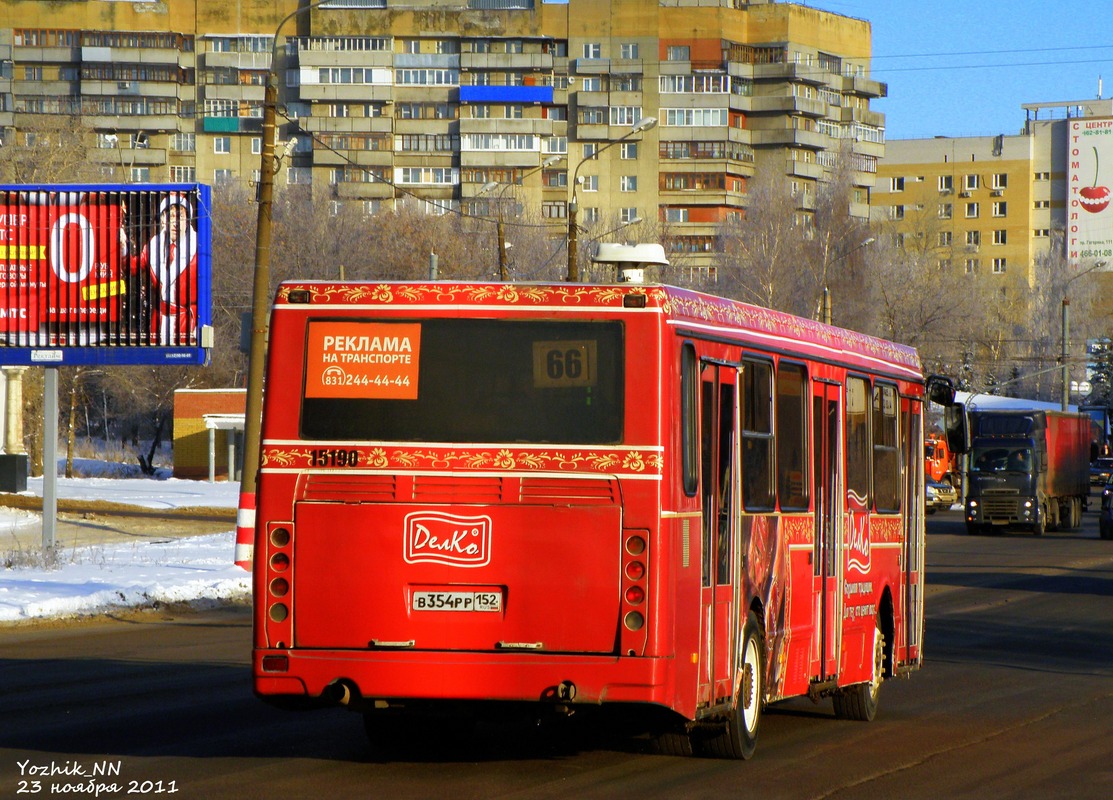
column 92, row 274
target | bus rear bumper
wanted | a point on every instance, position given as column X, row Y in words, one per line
column 352, row 678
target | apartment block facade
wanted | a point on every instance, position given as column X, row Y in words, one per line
column 990, row 206
column 428, row 102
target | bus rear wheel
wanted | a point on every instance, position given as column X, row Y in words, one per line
column 739, row 738
column 859, row 702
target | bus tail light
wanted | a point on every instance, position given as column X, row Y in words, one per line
column 279, row 599
column 635, row 579
column 276, row 663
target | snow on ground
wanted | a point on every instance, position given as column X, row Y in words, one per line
column 92, row 580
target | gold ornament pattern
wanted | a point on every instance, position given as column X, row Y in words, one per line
column 597, row 461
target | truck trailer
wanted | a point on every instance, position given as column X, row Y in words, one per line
column 1027, row 469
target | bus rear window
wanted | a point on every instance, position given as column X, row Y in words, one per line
column 463, row 380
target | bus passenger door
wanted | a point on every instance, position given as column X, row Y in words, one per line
column 718, row 466
column 828, row 520
column 912, row 573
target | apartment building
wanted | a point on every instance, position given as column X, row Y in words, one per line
column 430, row 102
column 991, row 206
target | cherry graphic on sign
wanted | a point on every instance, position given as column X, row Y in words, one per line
column 1095, row 198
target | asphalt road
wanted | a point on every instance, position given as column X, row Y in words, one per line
column 1015, row 701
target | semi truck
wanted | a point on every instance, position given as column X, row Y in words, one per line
column 1027, row 469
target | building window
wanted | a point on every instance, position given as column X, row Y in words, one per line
column 1000, row 180
column 628, row 150
column 554, row 209
column 593, row 50
column 973, row 238
column 1041, row 233
column 591, row 183
column 222, row 177
column 970, row 182
column 1042, row 204
column 696, row 117
column 592, row 84
column 945, row 238
column 628, row 183
column 946, row 210
column 481, row 111
column 628, row 50
column 626, row 115
column 678, row 53
column 590, row 149
column 1042, row 176
column 1000, row 208
column 183, row 142
column 946, row 183
column 998, row 266
column 299, row 175
column 222, row 145
column 627, row 215
column 513, row 111
column 971, row 266
column 896, row 184
column 971, row 210
column 555, row 144
column 593, row 116
column 183, row 174
column 1000, row 237
column 896, row 212
column 676, row 215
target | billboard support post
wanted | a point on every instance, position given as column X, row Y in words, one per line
column 50, row 456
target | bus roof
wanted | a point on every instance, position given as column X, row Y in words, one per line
column 689, row 310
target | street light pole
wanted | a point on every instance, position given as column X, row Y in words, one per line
column 260, row 291
column 500, row 228
column 1064, row 353
column 573, row 274
column 825, row 301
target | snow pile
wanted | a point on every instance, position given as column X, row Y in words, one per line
column 111, row 576
column 94, row 580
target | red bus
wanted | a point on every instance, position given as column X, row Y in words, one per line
column 567, row 496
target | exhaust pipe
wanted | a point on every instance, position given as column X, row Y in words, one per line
column 340, row 693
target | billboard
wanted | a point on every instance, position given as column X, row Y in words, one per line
column 1089, row 178
column 105, row 274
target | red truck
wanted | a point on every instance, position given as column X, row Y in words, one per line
column 1027, row 468
column 940, row 462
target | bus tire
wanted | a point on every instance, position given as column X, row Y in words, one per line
column 739, row 737
column 673, row 742
column 859, row 702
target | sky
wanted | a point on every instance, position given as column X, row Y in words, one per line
column 965, row 67
column 107, row 577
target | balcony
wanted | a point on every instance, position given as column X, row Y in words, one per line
column 524, row 159
column 249, row 61
column 363, row 190
column 788, row 137
column 134, row 55
column 786, row 104
column 324, row 157
column 503, row 62
column 346, row 92
column 232, row 125
column 507, row 94
column 237, row 92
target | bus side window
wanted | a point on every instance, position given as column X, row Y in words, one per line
column 689, row 419
column 792, row 439
column 758, row 486
column 858, row 441
column 886, row 455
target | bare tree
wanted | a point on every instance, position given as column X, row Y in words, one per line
column 763, row 251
